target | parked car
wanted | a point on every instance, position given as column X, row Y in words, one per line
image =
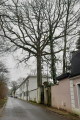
column 15, row 96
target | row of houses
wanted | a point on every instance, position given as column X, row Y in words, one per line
column 29, row 91
column 63, row 95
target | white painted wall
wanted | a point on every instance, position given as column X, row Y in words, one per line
column 33, row 95
column 31, row 85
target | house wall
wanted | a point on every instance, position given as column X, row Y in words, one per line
column 33, row 95
column 45, row 96
column 21, row 90
column 60, row 95
column 75, row 82
column 30, row 86
column 34, row 92
column 17, row 92
column 33, row 83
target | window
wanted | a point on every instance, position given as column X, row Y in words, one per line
column 20, row 94
column 24, row 93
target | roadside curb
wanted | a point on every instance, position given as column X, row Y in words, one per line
column 60, row 112
column 63, row 113
column 1, row 109
column 55, row 110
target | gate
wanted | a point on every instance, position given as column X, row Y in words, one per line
column 42, row 95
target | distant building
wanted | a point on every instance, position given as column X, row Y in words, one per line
column 28, row 89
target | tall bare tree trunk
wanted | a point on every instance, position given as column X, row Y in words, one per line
column 64, row 53
column 39, row 71
column 65, row 37
column 53, row 67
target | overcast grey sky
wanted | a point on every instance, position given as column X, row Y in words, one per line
column 19, row 71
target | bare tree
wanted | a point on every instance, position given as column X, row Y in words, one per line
column 29, row 25
column 69, row 25
column 14, row 86
column 3, row 90
column 3, row 80
column 3, row 68
column 26, row 26
column 3, row 73
column 54, row 16
column 33, row 26
column 78, row 42
column 3, row 1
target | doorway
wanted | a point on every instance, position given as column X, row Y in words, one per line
column 79, row 95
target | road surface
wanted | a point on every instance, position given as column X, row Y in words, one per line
column 19, row 110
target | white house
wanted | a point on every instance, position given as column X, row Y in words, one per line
column 28, row 89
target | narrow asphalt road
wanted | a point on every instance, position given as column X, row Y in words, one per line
column 19, row 110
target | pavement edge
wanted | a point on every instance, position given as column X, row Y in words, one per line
column 1, row 109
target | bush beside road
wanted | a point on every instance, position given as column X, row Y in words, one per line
column 2, row 104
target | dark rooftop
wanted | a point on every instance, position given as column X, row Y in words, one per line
column 63, row 76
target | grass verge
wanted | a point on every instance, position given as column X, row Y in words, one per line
column 69, row 115
column 2, row 102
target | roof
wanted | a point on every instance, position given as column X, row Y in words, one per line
column 32, row 76
column 67, row 75
column 63, row 76
column 74, row 75
column 27, row 79
column 75, row 64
